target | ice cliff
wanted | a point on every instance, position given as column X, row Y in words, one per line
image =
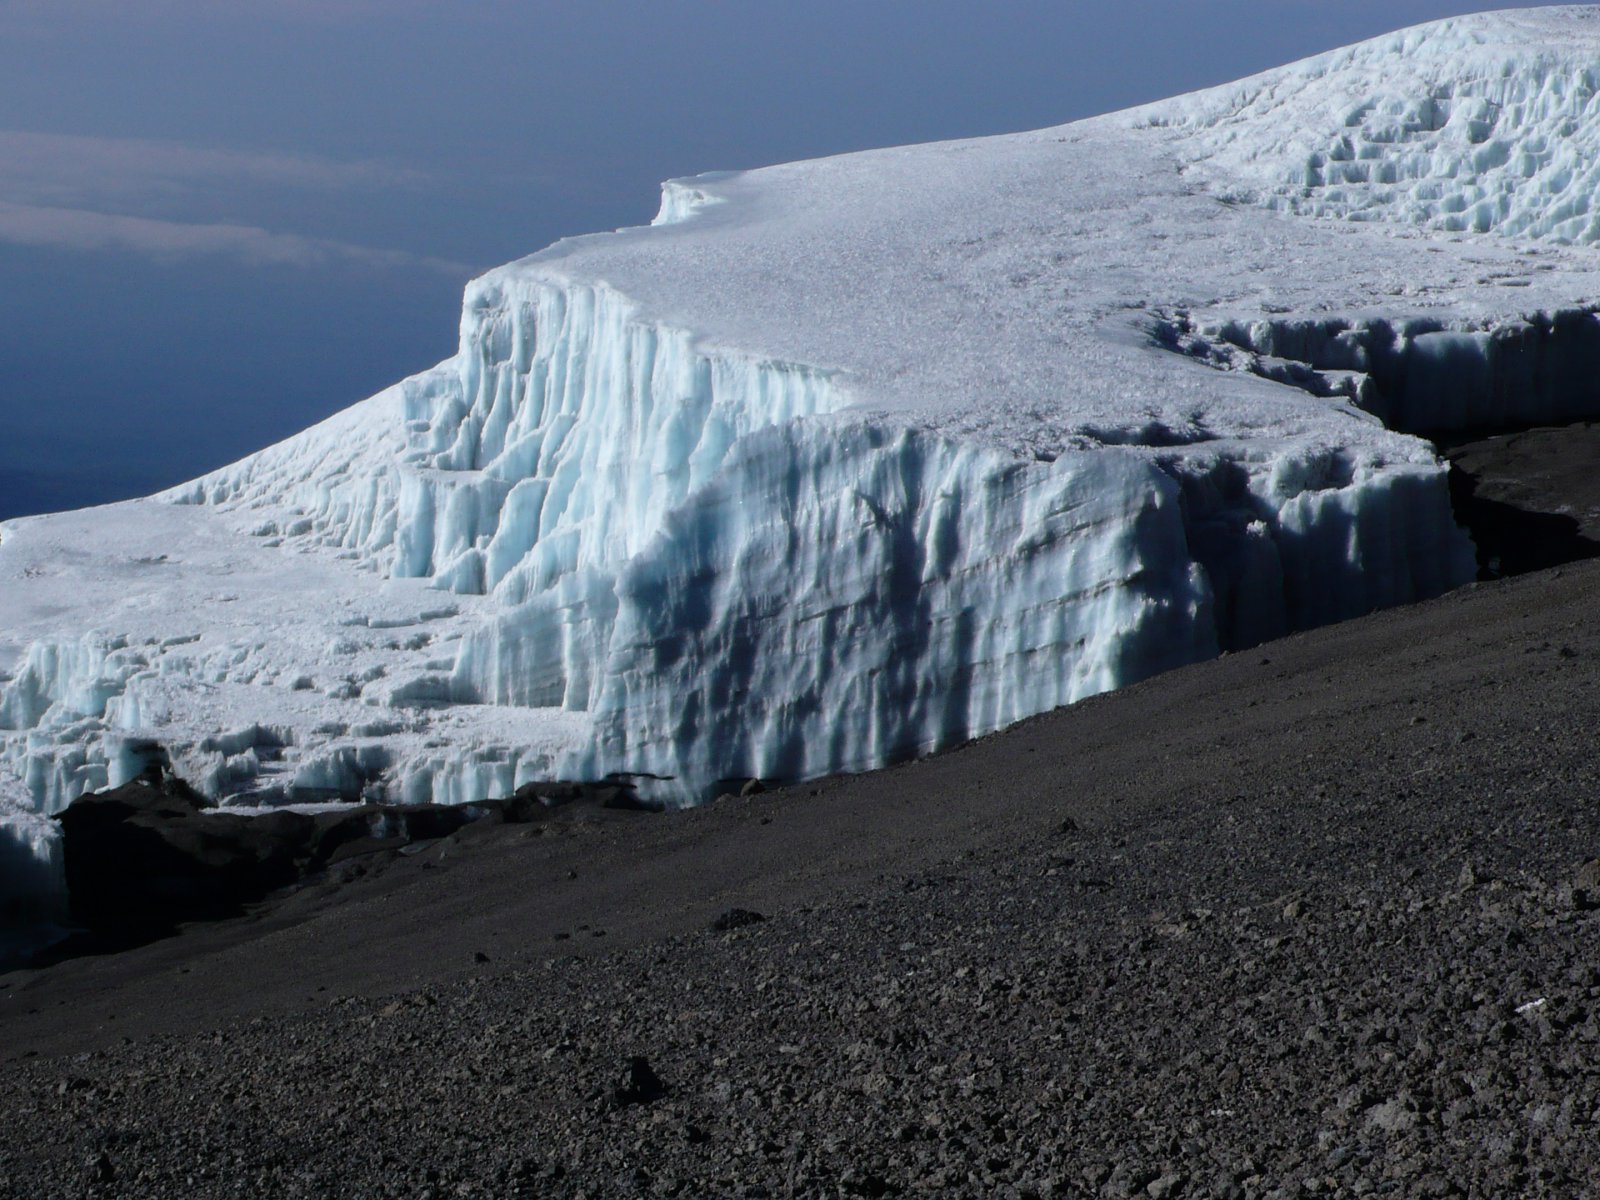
column 842, row 461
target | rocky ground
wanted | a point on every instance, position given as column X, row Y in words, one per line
column 1316, row 919
column 1531, row 497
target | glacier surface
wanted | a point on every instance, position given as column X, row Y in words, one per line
column 842, row 461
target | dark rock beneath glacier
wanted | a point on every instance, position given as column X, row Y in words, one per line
column 1529, row 497
column 143, row 858
column 536, row 801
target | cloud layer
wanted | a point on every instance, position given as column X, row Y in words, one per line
column 63, row 169
column 55, row 16
column 79, row 229
column 146, row 196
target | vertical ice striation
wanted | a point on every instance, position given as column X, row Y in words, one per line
column 1427, row 374
column 1314, row 536
column 846, row 594
column 586, row 426
column 552, row 443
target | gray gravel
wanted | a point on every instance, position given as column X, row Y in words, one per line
column 1315, row 919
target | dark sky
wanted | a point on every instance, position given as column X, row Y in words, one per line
column 221, row 220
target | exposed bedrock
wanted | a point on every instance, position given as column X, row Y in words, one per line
column 142, row 858
column 1530, row 497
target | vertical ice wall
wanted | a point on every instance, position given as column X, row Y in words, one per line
column 1427, row 375
column 1315, row 535
column 585, row 425
column 836, row 593
column 58, row 702
column 846, row 594
column 733, row 584
column 553, row 443
column 533, row 465
column 730, row 581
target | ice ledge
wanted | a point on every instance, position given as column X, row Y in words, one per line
column 1425, row 375
column 684, row 198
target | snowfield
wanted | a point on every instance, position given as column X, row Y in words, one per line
column 842, row 461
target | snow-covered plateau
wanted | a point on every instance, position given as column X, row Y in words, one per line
column 848, row 460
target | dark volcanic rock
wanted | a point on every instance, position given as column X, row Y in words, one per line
column 145, row 857
column 736, row 918
column 535, row 801
column 639, row 1084
column 1529, row 497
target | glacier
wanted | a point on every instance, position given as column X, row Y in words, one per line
column 845, row 461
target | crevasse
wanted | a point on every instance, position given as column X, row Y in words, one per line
column 1425, row 374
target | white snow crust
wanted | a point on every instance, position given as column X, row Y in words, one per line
column 846, row 460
